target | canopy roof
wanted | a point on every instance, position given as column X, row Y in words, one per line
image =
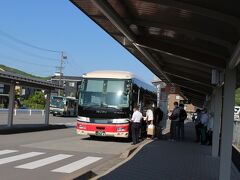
column 180, row 41
column 9, row 77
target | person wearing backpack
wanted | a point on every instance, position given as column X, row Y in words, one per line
column 182, row 118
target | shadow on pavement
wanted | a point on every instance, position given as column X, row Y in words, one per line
column 108, row 139
column 24, row 128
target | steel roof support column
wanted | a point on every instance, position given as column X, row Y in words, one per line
column 227, row 124
column 217, row 121
column 47, row 105
column 11, row 104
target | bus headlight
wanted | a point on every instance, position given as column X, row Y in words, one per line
column 120, row 129
column 80, row 126
column 83, row 119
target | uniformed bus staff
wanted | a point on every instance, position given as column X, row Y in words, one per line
column 136, row 124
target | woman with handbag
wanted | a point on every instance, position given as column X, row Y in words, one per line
column 149, row 121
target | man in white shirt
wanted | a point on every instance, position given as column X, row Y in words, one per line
column 136, row 120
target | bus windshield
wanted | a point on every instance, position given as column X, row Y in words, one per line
column 104, row 93
column 57, row 102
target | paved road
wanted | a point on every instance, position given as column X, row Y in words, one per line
column 54, row 154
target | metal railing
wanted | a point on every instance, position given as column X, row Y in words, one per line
column 24, row 111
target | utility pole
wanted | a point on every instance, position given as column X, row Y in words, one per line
column 60, row 68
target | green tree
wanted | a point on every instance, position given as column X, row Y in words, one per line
column 35, row 101
column 237, row 97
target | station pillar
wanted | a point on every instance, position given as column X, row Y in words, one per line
column 11, row 104
column 47, row 106
column 217, row 121
column 227, row 124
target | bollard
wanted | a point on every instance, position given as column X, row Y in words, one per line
column 42, row 112
column 15, row 112
column 30, row 112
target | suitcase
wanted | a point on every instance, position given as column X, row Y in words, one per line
column 151, row 129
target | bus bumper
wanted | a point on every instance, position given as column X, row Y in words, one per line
column 113, row 130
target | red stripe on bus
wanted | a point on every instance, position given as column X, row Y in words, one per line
column 102, row 127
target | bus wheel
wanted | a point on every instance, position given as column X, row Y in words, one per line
column 54, row 114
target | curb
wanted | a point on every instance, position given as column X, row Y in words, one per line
column 104, row 169
column 129, row 154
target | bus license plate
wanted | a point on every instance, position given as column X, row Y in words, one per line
column 100, row 133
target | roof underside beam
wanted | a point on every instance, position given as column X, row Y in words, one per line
column 190, row 78
column 114, row 18
column 191, row 72
column 194, row 89
column 182, row 82
column 181, row 30
column 182, row 53
column 200, row 10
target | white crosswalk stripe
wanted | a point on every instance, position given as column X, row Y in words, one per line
column 77, row 165
column 2, row 152
column 19, row 157
column 43, row 162
column 68, row 168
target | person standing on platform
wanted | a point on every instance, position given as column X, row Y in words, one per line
column 182, row 118
column 149, row 118
column 210, row 129
column 158, row 116
column 196, row 119
column 204, row 122
column 136, row 124
column 174, row 117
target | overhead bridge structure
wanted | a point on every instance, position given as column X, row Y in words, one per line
column 193, row 44
column 13, row 79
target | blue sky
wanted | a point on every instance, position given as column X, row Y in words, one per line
column 59, row 25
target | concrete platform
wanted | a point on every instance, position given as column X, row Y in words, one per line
column 165, row 160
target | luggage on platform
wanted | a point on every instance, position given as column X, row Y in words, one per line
column 151, row 129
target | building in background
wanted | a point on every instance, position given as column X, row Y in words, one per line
column 167, row 94
column 71, row 85
column 176, row 97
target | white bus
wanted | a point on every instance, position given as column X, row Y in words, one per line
column 63, row 106
column 106, row 102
